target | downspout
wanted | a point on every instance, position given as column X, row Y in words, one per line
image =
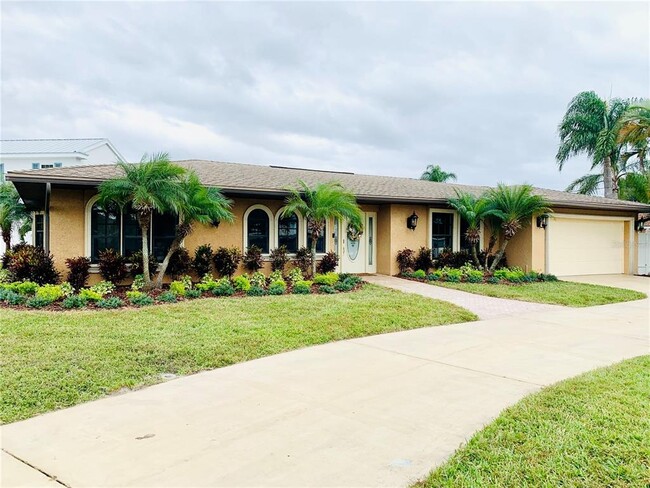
column 46, row 223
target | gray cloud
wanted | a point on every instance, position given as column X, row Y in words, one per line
column 382, row 88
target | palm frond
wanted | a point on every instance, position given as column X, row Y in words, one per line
column 588, row 184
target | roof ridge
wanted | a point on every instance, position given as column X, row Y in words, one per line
column 58, row 139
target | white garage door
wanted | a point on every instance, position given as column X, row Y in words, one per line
column 586, row 246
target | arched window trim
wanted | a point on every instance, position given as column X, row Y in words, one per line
column 302, row 230
column 272, row 225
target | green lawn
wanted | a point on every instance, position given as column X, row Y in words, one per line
column 55, row 360
column 589, row 431
column 558, row 292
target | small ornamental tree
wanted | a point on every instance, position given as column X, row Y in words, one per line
column 320, row 203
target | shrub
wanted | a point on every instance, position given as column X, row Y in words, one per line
column 202, row 262
column 252, row 260
column 295, row 275
column 423, row 260
column 328, row 263
column 223, row 288
column 405, row 260
column 474, row 276
column 168, row 297
column 178, row 288
column 26, row 287
column 420, row 274
column 138, row 298
column 435, row 276
column 192, row 293
column 512, row 275
column 180, row 263
column 547, row 277
column 90, row 295
column 279, row 258
column 66, row 289
column 78, row 271
column 343, row 286
column 277, row 288
column 13, row 298
column 241, row 283
column 74, row 301
column 137, row 268
column 5, row 275
column 303, row 260
column 52, row 293
column 112, row 266
column 493, row 280
column 26, row 262
column 226, row 260
column 326, row 279
column 111, row 302
column 452, row 275
column 38, row 302
column 256, row 291
column 276, row 276
column 138, row 282
column 103, row 288
column 449, row 259
column 207, row 283
column 350, row 278
column 258, row 279
column 302, row 287
column 327, row 289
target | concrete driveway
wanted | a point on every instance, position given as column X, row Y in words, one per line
column 376, row 411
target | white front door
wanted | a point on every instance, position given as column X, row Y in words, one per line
column 359, row 255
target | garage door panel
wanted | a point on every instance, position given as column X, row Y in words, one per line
column 586, row 246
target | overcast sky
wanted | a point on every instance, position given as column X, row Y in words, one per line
column 384, row 88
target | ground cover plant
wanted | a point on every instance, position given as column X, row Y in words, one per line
column 588, row 431
column 55, row 360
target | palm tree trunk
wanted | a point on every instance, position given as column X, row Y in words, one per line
column 499, row 255
column 6, row 238
column 488, row 250
column 176, row 244
column 314, row 239
column 608, row 179
column 144, row 220
column 475, row 255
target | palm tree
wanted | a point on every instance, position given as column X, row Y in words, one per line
column 474, row 211
column 636, row 187
column 202, row 205
column 590, row 126
column 634, row 129
column 12, row 212
column 154, row 185
column 320, row 203
column 435, row 173
column 513, row 208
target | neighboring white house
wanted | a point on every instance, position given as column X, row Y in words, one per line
column 51, row 153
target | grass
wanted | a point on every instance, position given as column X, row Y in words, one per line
column 555, row 292
column 54, row 360
column 589, row 431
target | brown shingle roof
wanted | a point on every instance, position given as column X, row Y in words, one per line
column 251, row 178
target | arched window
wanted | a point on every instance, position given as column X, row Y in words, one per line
column 104, row 230
column 288, row 232
column 258, row 229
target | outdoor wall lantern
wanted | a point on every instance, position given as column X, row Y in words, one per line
column 542, row 221
column 412, row 221
column 639, row 225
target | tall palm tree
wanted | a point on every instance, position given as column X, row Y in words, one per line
column 473, row 210
column 320, row 203
column 513, row 208
column 634, row 129
column 435, row 173
column 153, row 185
column 12, row 212
column 203, row 206
column 590, row 126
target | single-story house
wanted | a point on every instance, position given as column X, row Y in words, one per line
column 583, row 235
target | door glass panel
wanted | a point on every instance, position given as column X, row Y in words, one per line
column 371, row 238
column 353, row 249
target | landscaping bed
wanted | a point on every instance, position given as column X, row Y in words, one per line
column 588, row 431
column 55, row 360
column 104, row 295
column 515, row 284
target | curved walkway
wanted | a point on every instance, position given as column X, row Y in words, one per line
column 375, row 411
column 484, row 307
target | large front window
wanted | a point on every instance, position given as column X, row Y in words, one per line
column 320, row 242
column 442, row 232
column 119, row 230
column 258, row 230
column 288, row 232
